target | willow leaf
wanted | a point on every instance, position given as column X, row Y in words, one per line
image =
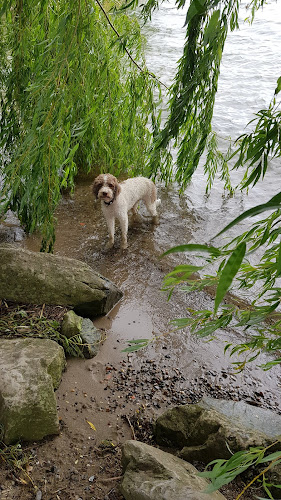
column 187, row 269
column 278, row 262
column 197, row 7
column 137, row 345
column 273, row 204
column 278, row 88
column 229, row 272
column 272, row 456
column 212, row 28
column 193, row 247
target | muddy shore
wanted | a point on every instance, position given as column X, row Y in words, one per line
column 120, row 393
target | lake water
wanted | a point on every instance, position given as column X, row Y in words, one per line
column 251, row 64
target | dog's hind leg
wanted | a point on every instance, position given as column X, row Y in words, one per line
column 152, row 209
column 135, row 208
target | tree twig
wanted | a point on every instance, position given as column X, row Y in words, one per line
column 107, row 479
column 131, row 427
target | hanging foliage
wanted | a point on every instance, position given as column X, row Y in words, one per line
column 71, row 99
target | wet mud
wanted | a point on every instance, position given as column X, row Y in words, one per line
column 122, row 393
column 144, row 311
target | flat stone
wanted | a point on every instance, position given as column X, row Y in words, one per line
column 245, row 415
column 210, row 429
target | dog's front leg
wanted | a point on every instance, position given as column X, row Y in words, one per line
column 124, row 230
column 111, row 230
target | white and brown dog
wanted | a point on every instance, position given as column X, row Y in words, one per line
column 118, row 198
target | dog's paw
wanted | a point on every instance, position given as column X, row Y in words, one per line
column 109, row 245
column 124, row 245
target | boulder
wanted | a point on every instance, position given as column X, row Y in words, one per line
column 30, row 370
column 152, row 474
column 91, row 336
column 210, row 429
column 40, row 278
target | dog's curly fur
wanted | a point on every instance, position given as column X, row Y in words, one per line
column 118, row 198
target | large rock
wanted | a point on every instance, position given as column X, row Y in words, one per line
column 30, row 370
column 209, row 429
column 152, row 474
column 40, row 278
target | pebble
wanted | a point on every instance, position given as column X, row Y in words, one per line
column 151, row 379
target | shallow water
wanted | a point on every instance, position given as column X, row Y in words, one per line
column 250, row 61
column 144, row 311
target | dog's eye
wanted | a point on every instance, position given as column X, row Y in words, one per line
column 110, row 186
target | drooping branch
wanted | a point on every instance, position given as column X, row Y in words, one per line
column 194, row 90
column 125, row 48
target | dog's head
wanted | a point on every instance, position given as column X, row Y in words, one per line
column 106, row 187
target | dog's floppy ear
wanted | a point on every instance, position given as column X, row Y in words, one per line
column 95, row 189
column 117, row 189
column 96, row 186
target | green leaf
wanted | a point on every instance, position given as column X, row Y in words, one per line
column 181, row 322
column 229, row 272
column 126, row 6
column 272, row 456
column 278, row 262
column 273, row 204
column 197, row 7
column 187, row 269
column 193, row 247
column 138, row 341
column 137, row 345
column 212, row 28
column 270, row 364
column 278, row 88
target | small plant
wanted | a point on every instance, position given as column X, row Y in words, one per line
column 21, row 323
column 18, row 460
column 224, row 471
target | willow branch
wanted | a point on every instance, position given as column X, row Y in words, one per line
column 126, row 50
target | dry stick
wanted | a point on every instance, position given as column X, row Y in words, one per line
column 126, row 50
column 42, row 310
column 131, row 427
column 58, row 490
column 107, row 479
column 262, row 472
column 256, row 477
